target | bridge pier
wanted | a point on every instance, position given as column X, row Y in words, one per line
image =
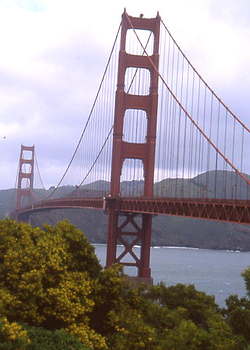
column 144, row 270
column 129, row 230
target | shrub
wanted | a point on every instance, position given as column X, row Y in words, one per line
column 12, row 336
column 246, row 276
column 43, row 339
column 47, row 276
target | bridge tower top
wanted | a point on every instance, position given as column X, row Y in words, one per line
column 125, row 101
column 25, row 178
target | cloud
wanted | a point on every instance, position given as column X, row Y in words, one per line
column 53, row 55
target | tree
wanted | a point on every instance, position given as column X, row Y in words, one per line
column 13, row 336
column 198, row 306
column 158, row 317
column 238, row 315
column 52, row 285
column 46, row 278
column 43, row 339
column 246, row 276
column 237, row 312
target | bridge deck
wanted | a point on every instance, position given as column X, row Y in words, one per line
column 214, row 209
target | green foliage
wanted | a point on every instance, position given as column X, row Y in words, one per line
column 238, row 315
column 131, row 331
column 198, row 305
column 12, row 336
column 190, row 320
column 158, row 317
column 15, row 337
column 246, row 275
column 43, row 339
column 50, row 280
column 108, row 295
column 46, row 278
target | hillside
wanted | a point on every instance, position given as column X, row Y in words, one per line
column 167, row 230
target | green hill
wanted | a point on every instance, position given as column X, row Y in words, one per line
column 167, row 230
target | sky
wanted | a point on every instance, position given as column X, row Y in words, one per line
column 53, row 53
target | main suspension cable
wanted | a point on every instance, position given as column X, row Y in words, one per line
column 89, row 117
column 97, row 157
column 204, row 82
column 110, row 131
column 237, row 171
column 38, row 170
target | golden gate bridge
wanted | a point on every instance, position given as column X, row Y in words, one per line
column 157, row 140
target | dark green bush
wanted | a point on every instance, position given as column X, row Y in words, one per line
column 43, row 339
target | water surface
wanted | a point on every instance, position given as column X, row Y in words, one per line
column 216, row 272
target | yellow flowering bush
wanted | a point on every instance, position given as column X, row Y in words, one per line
column 130, row 328
column 46, row 277
column 12, row 333
column 88, row 336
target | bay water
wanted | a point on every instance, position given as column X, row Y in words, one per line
column 215, row 272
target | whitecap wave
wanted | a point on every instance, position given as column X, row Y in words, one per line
column 173, row 247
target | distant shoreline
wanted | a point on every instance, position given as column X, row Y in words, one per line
column 182, row 247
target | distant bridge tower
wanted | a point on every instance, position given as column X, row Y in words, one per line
column 130, row 229
column 25, row 177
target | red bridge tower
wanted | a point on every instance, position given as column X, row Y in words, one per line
column 130, row 229
column 25, row 177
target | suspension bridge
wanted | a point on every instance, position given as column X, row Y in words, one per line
column 157, row 140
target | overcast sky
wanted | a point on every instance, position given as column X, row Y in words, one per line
column 53, row 53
